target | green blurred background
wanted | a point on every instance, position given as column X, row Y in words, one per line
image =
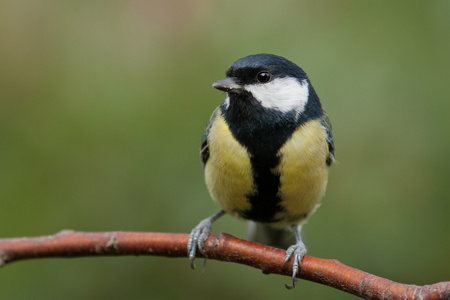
column 103, row 105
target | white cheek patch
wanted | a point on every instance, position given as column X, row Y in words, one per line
column 283, row 94
column 227, row 102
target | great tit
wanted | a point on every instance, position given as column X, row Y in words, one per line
column 266, row 152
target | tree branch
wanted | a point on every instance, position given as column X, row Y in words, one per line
column 221, row 247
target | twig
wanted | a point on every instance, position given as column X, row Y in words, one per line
column 221, row 247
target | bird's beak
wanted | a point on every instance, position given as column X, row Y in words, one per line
column 228, row 85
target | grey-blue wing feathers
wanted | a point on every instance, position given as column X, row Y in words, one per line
column 204, row 149
column 330, row 141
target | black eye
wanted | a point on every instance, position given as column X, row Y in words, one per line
column 264, row 77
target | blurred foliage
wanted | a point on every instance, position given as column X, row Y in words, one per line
column 103, row 105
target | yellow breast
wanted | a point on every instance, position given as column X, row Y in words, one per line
column 303, row 172
column 228, row 172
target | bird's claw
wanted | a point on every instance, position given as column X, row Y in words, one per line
column 197, row 239
column 297, row 252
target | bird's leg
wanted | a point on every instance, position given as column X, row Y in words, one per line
column 199, row 234
column 297, row 252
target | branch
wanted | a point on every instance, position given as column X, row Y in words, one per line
column 221, row 247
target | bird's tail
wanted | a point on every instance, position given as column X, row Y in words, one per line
column 275, row 237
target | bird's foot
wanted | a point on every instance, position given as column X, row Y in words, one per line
column 199, row 235
column 297, row 252
column 197, row 239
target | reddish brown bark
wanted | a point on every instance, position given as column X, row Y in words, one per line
column 222, row 247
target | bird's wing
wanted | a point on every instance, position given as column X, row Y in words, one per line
column 204, row 149
column 330, row 141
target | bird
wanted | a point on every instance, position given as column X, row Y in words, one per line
column 266, row 153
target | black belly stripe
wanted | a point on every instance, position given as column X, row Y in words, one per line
column 264, row 204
